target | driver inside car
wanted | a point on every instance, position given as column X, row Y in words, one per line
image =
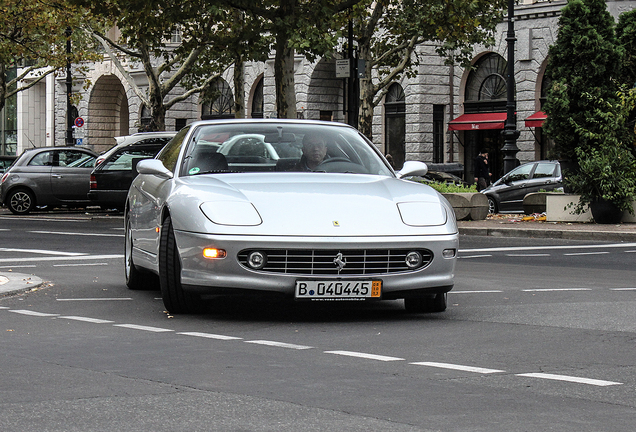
column 314, row 152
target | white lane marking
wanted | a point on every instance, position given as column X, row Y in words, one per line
column 544, row 248
column 474, row 256
column 80, row 265
column 529, row 255
column 477, row 292
column 77, row 234
column 67, row 258
column 145, row 328
column 459, row 367
column 94, row 299
column 623, row 289
column 364, row 355
column 279, row 344
column 210, row 335
column 85, row 319
column 585, row 253
column 41, row 251
column 3, row 307
column 19, row 266
column 573, row 379
column 23, row 218
column 33, row 313
column 556, row 289
column 632, row 251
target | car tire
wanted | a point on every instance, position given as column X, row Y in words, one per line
column 136, row 279
column 175, row 299
column 436, row 303
column 21, row 201
column 492, row 205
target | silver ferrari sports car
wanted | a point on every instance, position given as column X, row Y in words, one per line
column 304, row 209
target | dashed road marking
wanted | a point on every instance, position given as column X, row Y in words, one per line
column 210, row 336
column 85, row 319
column 279, row 344
column 62, row 258
column 78, row 234
column 459, row 367
column 364, row 355
column 573, row 379
column 144, row 328
column 556, row 289
column 477, row 292
column 80, row 265
column 41, row 252
column 94, row 299
column 585, row 253
column 33, row 313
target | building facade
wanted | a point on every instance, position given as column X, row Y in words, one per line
column 445, row 114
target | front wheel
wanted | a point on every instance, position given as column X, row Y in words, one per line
column 21, row 202
column 174, row 297
column 436, row 303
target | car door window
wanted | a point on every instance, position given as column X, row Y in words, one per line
column 170, row 153
column 123, row 160
column 519, row 173
column 74, row 159
column 42, row 159
column 544, row 170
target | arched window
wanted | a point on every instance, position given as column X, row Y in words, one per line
column 486, row 85
column 145, row 117
column 218, row 101
column 395, row 121
column 257, row 100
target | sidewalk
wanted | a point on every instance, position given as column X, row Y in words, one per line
column 495, row 225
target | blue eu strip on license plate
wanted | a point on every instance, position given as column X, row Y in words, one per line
column 338, row 289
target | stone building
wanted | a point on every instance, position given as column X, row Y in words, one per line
column 443, row 115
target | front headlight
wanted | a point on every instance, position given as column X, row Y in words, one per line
column 234, row 213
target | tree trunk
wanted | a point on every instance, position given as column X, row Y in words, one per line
column 284, row 78
column 367, row 93
column 239, row 88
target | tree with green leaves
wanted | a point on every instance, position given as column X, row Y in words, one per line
column 33, row 38
column 188, row 44
column 585, row 60
column 308, row 27
column 388, row 32
column 626, row 37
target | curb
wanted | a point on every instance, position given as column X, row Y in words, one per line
column 548, row 233
column 14, row 282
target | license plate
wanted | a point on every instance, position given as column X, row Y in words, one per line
column 338, row 289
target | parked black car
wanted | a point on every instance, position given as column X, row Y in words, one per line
column 48, row 176
column 506, row 194
column 111, row 179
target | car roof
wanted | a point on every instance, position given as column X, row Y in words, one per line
column 124, row 139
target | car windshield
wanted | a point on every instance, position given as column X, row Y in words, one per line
column 271, row 147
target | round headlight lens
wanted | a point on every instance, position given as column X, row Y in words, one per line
column 413, row 260
column 256, row 260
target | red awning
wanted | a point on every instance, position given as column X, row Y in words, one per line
column 478, row 121
column 536, row 119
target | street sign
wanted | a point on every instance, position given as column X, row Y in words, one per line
column 79, row 122
column 78, row 141
column 343, row 70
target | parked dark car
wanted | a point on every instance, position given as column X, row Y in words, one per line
column 48, row 176
column 506, row 194
column 5, row 162
column 111, row 179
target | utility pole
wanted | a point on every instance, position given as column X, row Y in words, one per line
column 69, row 88
column 510, row 132
column 352, row 87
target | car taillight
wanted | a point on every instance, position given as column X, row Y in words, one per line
column 93, row 182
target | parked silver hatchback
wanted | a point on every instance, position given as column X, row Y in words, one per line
column 48, row 176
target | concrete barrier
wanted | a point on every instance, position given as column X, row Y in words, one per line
column 469, row 205
column 558, row 209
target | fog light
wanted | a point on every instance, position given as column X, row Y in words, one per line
column 449, row 253
column 212, row 253
column 413, row 260
column 256, row 260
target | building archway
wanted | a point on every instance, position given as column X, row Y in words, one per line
column 324, row 94
column 257, row 101
column 395, row 124
column 108, row 114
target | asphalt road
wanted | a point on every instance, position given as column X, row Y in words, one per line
column 539, row 336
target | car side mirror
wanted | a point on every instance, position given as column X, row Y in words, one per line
column 154, row 167
column 412, row 168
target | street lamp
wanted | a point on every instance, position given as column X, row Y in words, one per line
column 69, row 89
column 510, row 132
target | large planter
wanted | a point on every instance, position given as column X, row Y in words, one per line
column 468, row 205
column 605, row 212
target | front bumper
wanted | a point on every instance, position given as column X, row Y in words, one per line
column 227, row 275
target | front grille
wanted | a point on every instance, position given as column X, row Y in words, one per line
column 321, row 262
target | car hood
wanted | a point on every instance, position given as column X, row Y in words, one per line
column 309, row 204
